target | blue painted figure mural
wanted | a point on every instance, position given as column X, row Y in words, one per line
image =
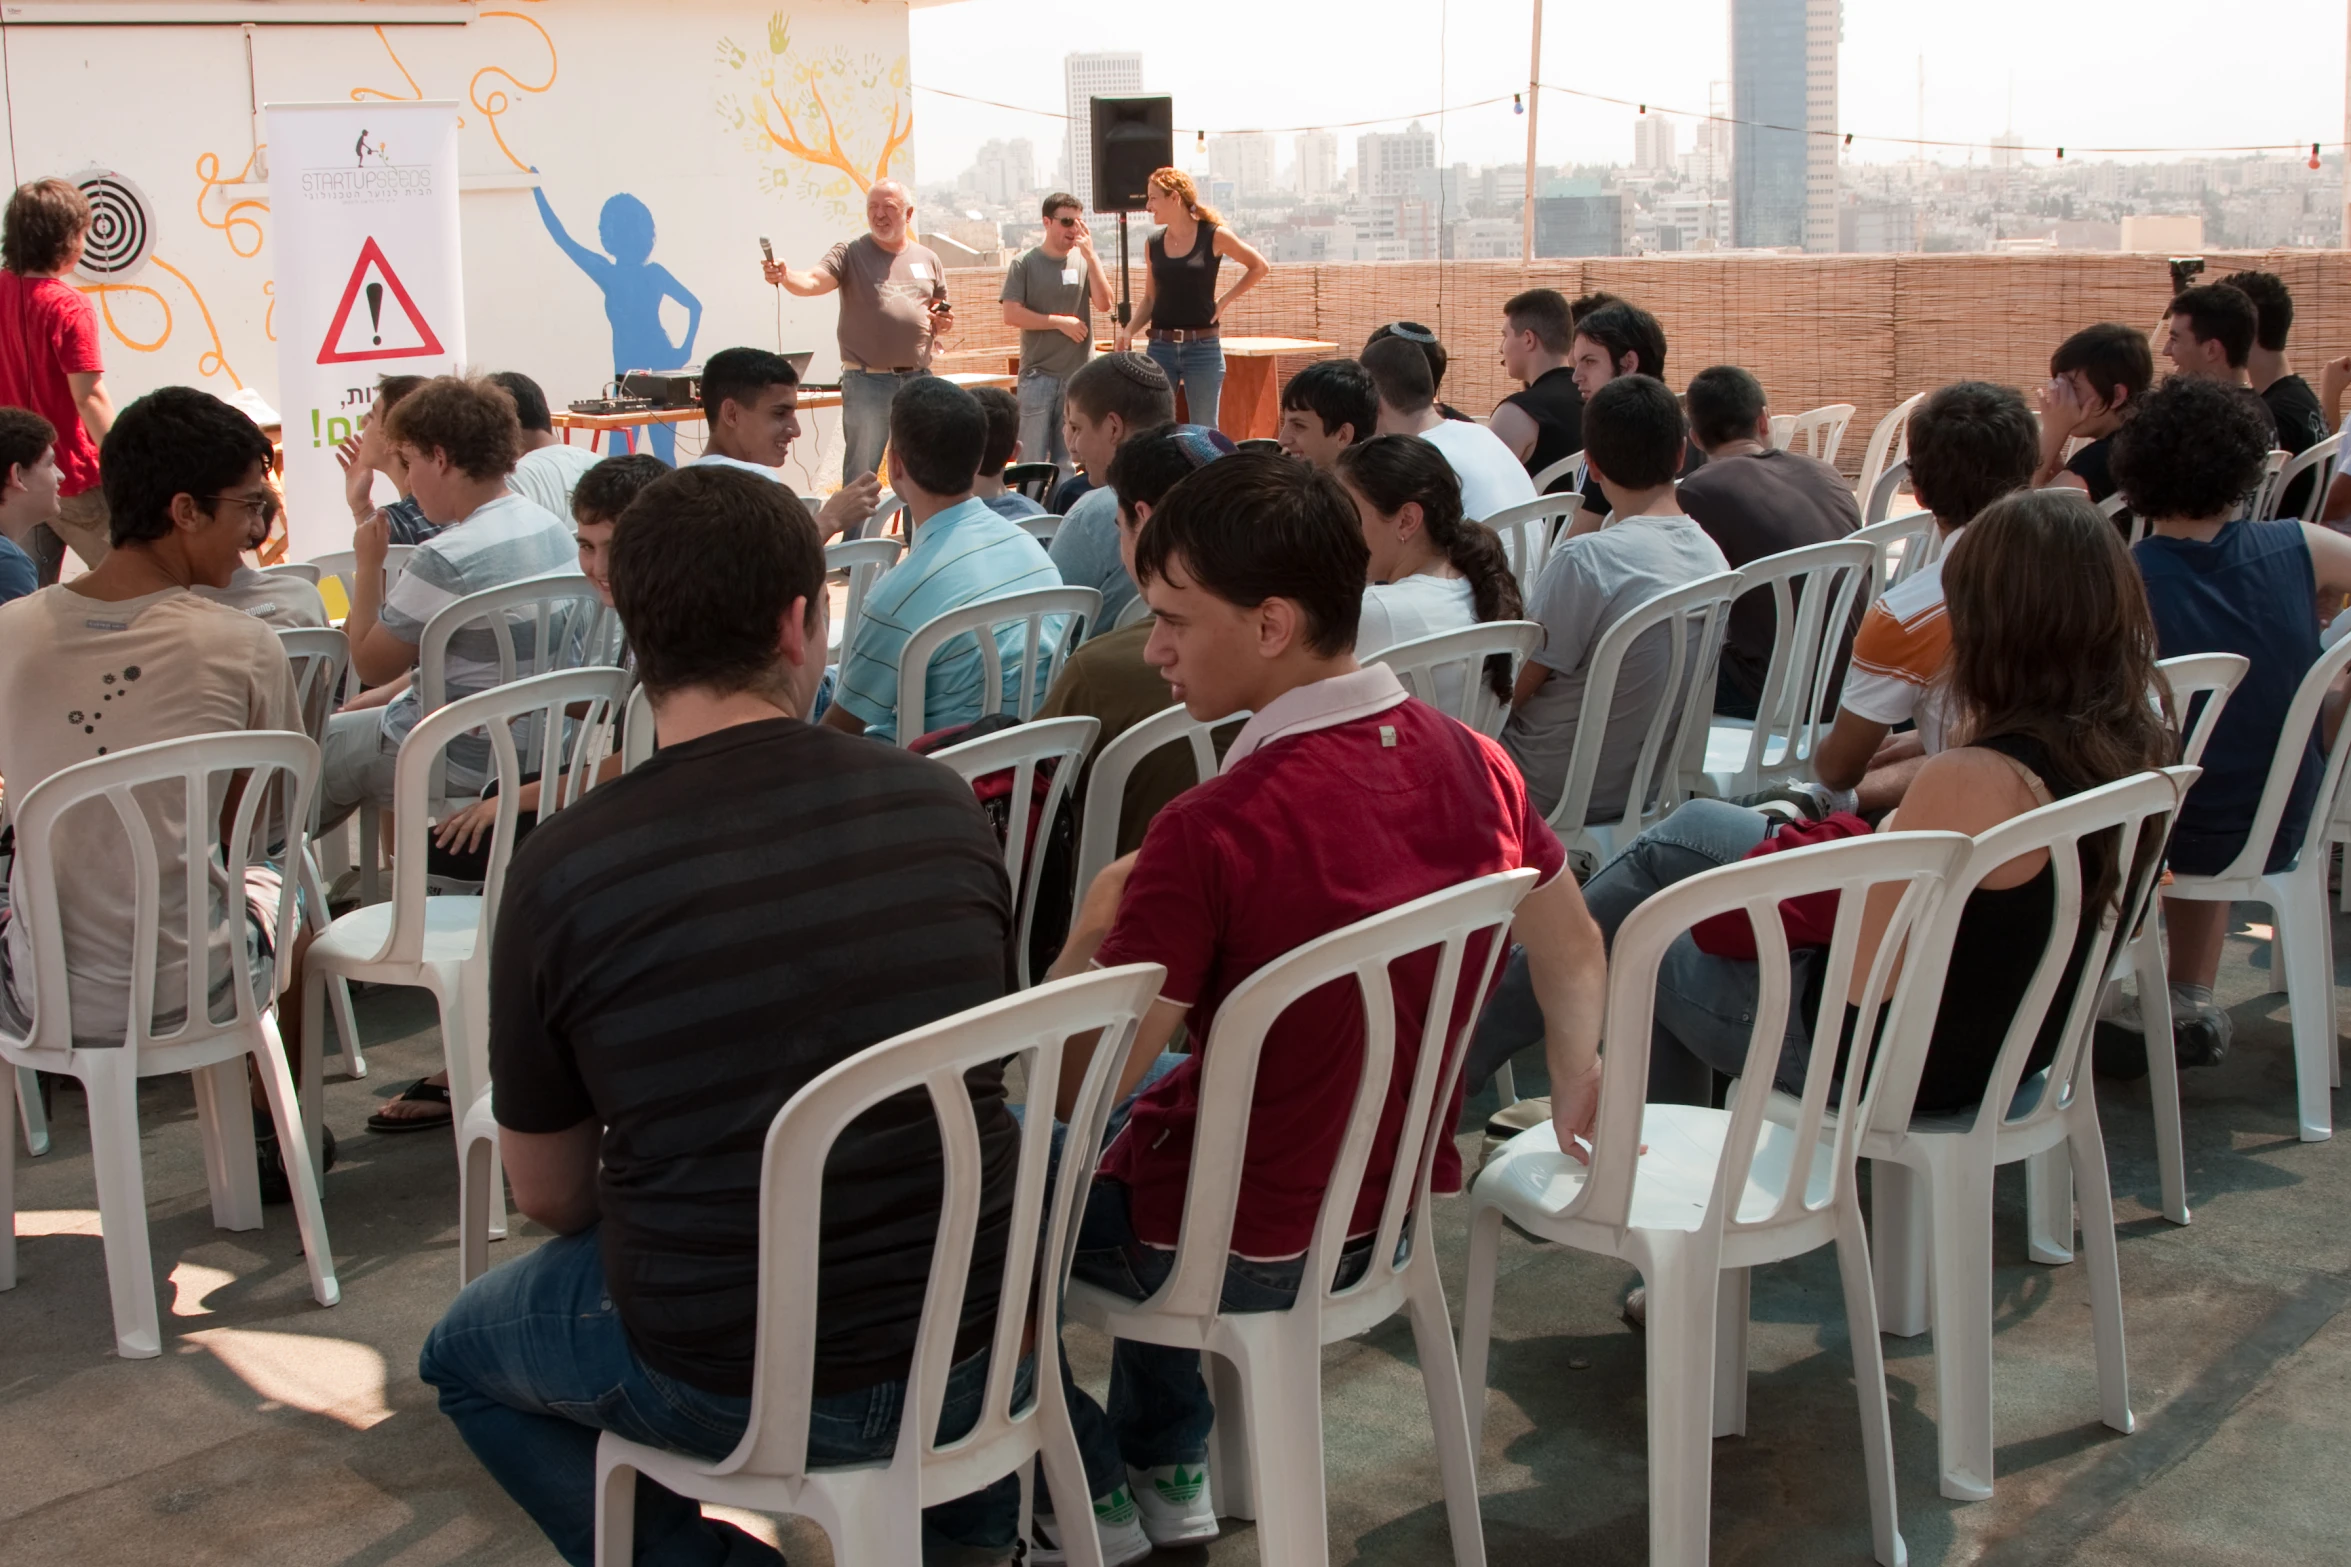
column 634, row 286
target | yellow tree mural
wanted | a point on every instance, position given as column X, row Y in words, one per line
column 826, row 124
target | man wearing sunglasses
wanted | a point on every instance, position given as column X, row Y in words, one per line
column 1051, row 293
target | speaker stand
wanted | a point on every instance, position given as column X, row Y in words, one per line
column 1125, row 310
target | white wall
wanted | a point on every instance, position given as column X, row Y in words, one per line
column 652, row 100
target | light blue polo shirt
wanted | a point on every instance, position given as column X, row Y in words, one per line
column 964, row 554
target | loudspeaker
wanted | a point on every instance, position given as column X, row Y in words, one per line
column 1133, row 139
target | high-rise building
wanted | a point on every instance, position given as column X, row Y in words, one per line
column 1385, row 161
column 1582, row 225
column 1005, row 173
column 1318, row 163
column 1246, row 159
column 1784, row 74
column 1652, row 144
column 1108, row 74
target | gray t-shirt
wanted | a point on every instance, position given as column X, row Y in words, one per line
column 1052, row 287
column 1587, row 586
column 1085, row 551
column 885, row 302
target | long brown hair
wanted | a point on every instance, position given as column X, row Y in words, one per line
column 1175, row 182
column 1391, row 471
column 2051, row 639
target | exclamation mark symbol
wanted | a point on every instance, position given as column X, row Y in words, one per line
column 375, row 311
column 314, row 440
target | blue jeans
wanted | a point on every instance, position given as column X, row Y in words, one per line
column 532, row 1363
column 1197, row 367
column 1042, row 438
column 865, row 416
column 1705, row 1004
column 1159, row 1407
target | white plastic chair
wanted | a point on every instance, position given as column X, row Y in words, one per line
column 1448, row 670
column 320, row 657
column 1023, row 750
column 440, row 942
column 1569, row 467
column 187, row 778
column 1044, row 623
column 1904, row 544
column 1526, row 529
column 1690, row 620
column 1822, row 430
column 2258, row 503
column 1931, row 1189
column 2302, row 947
column 1878, row 499
column 1042, row 528
column 1888, row 443
column 873, row 1512
column 2211, row 676
column 865, row 560
column 343, row 566
column 1813, row 593
column 1265, row 1367
column 1103, row 814
column 879, row 523
column 567, row 623
column 637, row 739
column 1132, row 612
column 307, row 570
column 2318, row 459
column 1696, row 1197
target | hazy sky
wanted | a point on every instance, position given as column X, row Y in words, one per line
column 2083, row 73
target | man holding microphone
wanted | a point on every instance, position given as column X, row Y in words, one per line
column 1051, row 293
column 893, row 309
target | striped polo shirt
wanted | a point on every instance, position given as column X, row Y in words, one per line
column 1902, row 645
column 964, row 554
column 505, row 541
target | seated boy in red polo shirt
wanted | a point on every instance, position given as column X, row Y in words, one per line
column 1342, row 798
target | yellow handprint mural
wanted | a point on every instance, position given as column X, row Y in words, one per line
column 825, row 111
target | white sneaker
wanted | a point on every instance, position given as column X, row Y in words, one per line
column 1123, row 1540
column 1177, row 1505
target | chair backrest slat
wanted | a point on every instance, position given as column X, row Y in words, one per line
column 1103, row 814
column 167, row 800
column 1428, row 665
column 1528, row 529
column 1364, row 953
column 1045, row 624
column 1689, row 620
column 1888, row 443
column 1023, row 751
column 1031, row 1030
column 2210, row 677
column 866, row 561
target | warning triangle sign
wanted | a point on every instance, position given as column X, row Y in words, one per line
column 376, row 319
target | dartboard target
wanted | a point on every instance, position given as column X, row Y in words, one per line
column 122, row 226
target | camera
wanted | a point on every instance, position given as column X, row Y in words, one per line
column 2182, row 269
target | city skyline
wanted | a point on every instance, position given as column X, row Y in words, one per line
column 1975, row 61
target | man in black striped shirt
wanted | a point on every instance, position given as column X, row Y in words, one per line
column 675, row 956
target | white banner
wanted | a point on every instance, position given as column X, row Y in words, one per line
column 363, row 202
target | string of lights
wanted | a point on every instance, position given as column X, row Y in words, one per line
column 1845, row 138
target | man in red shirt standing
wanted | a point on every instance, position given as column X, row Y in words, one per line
column 1341, row 798
column 49, row 359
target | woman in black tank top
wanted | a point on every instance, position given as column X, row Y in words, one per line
column 2052, row 655
column 1181, row 307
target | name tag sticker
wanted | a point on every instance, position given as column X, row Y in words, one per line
column 1073, row 275
column 920, row 269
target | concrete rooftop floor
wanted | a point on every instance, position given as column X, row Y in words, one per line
column 272, row 1431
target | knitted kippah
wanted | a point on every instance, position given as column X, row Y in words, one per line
column 1140, row 369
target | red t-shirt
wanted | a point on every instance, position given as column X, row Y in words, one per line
column 47, row 332
column 1312, row 833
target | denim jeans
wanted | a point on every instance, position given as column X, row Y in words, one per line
column 1197, row 367
column 1159, row 1408
column 532, row 1363
column 1042, row 438
column 865, row 416
column 1705, row 1004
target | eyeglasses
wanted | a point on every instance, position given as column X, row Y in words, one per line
column 266, row 506
column 1410, row 331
